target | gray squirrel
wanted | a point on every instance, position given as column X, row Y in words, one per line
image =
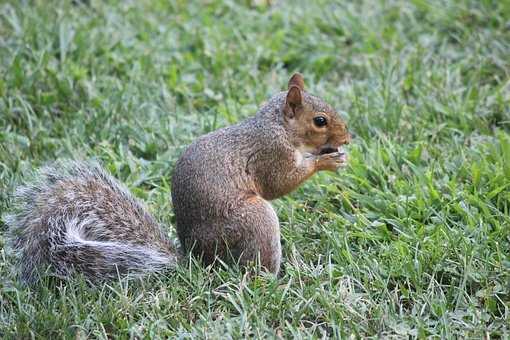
column 75, row 217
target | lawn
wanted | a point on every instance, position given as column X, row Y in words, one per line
column 411, row 239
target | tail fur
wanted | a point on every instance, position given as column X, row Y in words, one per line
column 75, row 217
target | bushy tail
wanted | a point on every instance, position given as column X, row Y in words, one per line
column 75, row 217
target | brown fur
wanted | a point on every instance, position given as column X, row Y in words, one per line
column 223, row 181
column 75, row 217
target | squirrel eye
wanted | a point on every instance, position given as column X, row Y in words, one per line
column 320, row 121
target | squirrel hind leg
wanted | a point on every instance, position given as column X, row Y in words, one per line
column 250, row 235
column 263, row 234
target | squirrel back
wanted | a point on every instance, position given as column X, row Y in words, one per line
column 74, row 216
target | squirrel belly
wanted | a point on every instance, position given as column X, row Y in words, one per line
column 75, row 217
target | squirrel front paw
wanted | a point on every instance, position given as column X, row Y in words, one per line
column 331, row 161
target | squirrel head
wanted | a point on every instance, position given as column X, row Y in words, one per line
column 312, row 124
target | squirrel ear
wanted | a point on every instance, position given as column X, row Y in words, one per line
column 297, row 80
column 293, row 102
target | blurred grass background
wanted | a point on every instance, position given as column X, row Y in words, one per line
column 411, row 240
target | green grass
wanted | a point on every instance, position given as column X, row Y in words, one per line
column 412, row 239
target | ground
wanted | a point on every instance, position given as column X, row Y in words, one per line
column 412, row 239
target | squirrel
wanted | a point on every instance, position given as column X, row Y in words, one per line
column 74, row 217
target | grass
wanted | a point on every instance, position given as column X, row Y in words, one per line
column 411, row 240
